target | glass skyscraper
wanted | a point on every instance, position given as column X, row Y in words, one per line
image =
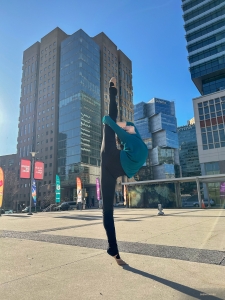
column 157, row 125
column 189, row 159
column 64, row 95
column 79, row 138
column 205, row 35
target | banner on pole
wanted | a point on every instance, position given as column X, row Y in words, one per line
column 34, row 193
column 25, row 167
column 1, row 186
column 222, row 189
column 125, row 194
column 98, row 189
column 79, row 190
column 39, row 170
column 57, row 189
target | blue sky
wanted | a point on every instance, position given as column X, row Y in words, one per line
column 149, row 32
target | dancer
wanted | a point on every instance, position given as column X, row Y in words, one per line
column 116, row 163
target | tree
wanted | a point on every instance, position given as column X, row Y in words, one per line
column 11, row 188
column 48, row 199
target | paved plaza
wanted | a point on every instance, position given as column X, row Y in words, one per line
column 61, row 255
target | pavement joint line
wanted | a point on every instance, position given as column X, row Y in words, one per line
column 63, row 228
column 49, row 269
column 162, row 251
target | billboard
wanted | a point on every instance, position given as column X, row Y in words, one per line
column 25, row 166
column 39, row 170
column 1, row 186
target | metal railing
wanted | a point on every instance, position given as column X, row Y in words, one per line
column 49, row 208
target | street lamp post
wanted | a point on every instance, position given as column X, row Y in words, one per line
column 31, row 179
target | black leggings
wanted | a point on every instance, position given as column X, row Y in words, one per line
column 111, row 169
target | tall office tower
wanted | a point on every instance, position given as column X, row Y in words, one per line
column 189, row 160
column 205, row 33
column 79, row 114
column 38, row 121
column 63, row 90
column 157, row 125
column 114, row 63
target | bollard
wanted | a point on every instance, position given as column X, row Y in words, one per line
column 160, row 213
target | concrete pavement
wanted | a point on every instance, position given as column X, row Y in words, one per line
column 61, row 255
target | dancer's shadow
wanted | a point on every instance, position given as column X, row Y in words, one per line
column 174, row 285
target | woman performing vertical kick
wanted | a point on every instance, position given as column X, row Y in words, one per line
column 116, row 163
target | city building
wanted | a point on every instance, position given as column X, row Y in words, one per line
column 79, row 138
column 157, row 124
column 209, row 113
column 205, row 33
column 114, row 63
column 8, row 162
column 188, row 154
column 38, row 120
column 64, row 95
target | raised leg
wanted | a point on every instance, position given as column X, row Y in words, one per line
column 110, row 169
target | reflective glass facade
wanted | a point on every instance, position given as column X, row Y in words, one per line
column 149, row 196
column 140, row 111
column 165, row 139
column 162, row 156
column 144, row 130
column 163, row 122
column 157, row 125
column 79, row 108
column 213, row 168
column 156, row 106
column 189, row 158
column 164, row 171
column 204, row 25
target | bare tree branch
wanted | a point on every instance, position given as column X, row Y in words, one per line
column 11, row 188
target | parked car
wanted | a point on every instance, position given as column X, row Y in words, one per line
column 66, row 205
column 8, row 211
column 27, row 209
column 193, row 202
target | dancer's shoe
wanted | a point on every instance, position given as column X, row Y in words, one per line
column 119, row 261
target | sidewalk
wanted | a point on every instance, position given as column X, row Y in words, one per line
column 61, row 255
